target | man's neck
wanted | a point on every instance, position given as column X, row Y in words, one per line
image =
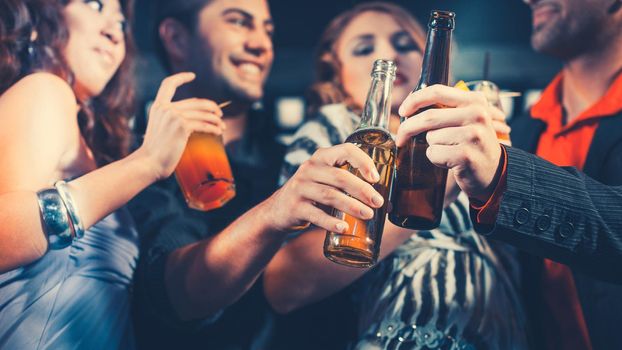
column 236, row 126
column 588, row 77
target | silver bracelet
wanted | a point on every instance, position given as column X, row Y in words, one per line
column 55, row 219
column 72, row 209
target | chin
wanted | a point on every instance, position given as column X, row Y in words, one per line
column 247, row 93
column 92, row 86
column 399, row 95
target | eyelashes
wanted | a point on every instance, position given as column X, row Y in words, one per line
column 401, row 42
column 98, row 5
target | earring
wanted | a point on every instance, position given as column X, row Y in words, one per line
column 31, row 44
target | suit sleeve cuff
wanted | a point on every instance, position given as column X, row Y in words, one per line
column 486, row 214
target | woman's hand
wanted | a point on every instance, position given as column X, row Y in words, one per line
column 320, row 183
column 171, row 123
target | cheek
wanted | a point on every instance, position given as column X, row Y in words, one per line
column 120, row 54
column 74, row 52
column 399, row 94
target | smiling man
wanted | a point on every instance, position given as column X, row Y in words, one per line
column 188, row 274
column 198, row 283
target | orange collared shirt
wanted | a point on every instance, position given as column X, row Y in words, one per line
column 563, row 145
column 568, row 145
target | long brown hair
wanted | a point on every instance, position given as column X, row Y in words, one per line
column 328, row 87
column 103, row 120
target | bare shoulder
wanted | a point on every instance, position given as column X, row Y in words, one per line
column 38, row 120
column 41, row 88
column 41, row 98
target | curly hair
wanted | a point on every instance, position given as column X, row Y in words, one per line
column 328, row 87
column 103, row 120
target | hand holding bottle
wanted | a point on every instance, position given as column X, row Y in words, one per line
column 461, row 138
column 320, row 183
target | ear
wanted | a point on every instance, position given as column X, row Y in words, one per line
column 175, row 38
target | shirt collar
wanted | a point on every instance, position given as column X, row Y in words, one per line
column 549, row 108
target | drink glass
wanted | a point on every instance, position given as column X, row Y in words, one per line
column 491, row 92
column 204, row 174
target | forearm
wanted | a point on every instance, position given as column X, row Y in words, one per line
column 207, row 276
column 104, row 190
column 299, row 274
column 564, row 215
column 95, row 194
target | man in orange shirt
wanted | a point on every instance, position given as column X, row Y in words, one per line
column 565, row 202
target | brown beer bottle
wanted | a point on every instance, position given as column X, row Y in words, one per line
column 359, row 245
column 419, row 188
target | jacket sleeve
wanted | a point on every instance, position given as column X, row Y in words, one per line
column 561, row 214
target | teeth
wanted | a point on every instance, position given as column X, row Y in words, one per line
column 250, row 68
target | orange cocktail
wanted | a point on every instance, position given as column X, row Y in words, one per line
column 204, row 173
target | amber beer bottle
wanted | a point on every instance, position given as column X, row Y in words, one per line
column 419, row 188
column 359, row 245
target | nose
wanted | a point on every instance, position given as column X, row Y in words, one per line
column 113, row 31
column 388, row 52
column 258, row 42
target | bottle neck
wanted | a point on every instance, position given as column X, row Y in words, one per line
column 376, row 111
column 435, row 68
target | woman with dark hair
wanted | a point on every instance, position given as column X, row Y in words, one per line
column 68, row 247
column 439, row 289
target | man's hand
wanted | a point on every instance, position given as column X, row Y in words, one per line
column 462, row 137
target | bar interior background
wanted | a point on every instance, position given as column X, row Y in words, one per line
column 500, row 27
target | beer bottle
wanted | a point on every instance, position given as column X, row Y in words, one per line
column 359, row 245
column 419, row 188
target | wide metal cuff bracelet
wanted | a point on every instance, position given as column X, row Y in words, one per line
column 72, row 209
column 55, row 218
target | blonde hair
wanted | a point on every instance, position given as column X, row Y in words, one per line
column 328, row 87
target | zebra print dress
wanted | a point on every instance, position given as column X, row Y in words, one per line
column 442, row 289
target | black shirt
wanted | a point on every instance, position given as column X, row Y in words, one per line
column 165, row 223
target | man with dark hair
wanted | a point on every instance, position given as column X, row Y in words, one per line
column 198, row 283
column 565, row 202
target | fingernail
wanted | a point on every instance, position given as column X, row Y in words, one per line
column 374, row 175
column 340, row 227
column 377, row 200
column 367, row 213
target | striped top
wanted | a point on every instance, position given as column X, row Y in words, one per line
column 442, row 289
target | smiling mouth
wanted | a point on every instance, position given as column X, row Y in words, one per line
column 249, row 69
column 105, row 55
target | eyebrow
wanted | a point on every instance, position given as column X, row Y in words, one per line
column 364, row 37
column 245, row 14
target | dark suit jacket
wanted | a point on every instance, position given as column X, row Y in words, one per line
column 571, row 217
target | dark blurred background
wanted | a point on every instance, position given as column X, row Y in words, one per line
column 500, row 27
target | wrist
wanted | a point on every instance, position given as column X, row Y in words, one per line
column 147, row 164
column 272, row 216
column 485, row 195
